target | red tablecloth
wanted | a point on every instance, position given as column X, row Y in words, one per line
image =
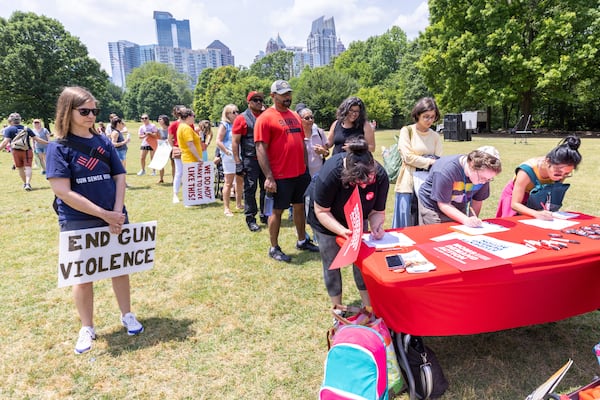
column 540, row 287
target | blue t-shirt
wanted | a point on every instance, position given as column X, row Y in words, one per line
column 448, row 183
column 90, row 177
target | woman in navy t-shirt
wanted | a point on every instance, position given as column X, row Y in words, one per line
column 90, row 193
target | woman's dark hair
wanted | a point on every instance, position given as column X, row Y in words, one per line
column 423, row 105
column 164, row 118
column 176, row 110
column 567, row 152
column 344, row 109
column 185, row 112
column 360, row 165
column 114, row 122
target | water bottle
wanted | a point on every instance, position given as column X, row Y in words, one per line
column 268, row 204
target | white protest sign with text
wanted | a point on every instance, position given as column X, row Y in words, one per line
column 88, row 255
column 198, row 183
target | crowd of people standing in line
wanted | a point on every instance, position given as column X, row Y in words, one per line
column 288, row 159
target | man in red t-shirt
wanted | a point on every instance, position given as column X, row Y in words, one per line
column 282, row 156
column 246, row 162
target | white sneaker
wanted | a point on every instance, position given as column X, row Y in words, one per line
column 84, row 342
column 153, row 172
column 132, row 325
column 142, row 172
column 175, row 199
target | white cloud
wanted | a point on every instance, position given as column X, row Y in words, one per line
column 414, row 23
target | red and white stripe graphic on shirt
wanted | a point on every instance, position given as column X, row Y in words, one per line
column 90, row 163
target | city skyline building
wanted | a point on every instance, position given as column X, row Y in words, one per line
column 226, row 57
column 322, row 39
column 173, row 48
column 171, row 32
column 300, row 59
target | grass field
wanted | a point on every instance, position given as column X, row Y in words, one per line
column 223, row 321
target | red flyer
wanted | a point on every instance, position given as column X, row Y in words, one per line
column 354, row 218
column 462, row 255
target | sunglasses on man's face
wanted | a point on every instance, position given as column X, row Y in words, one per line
column 84, row 112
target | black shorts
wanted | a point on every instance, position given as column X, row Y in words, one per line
column 290, row 191
column 149, row 148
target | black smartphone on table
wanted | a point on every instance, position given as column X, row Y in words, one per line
column 394, row 262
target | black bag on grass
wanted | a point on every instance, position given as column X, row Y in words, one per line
column 430, row 382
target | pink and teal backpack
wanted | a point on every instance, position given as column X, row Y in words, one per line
column 356, row 366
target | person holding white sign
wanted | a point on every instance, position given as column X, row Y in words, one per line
column 90, row 190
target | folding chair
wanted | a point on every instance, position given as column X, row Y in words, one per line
column 523, row 132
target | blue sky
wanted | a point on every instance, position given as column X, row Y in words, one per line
column 244, row 26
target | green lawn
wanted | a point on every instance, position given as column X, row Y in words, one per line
column 225, row 321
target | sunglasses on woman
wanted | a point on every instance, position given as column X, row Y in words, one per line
column 84, row 112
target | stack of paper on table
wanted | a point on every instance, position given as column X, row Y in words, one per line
column 555, row 224
column 486, row 227
column 389, row 240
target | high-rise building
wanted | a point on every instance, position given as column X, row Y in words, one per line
column 171, row 32
column 124, row 57
column 226, row 57
column 300, row 58
column 174, row 48
column 322, row 39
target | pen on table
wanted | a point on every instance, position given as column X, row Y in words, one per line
column 565, row 240
column 549, row 245
column 400, row 248
column 562, row 245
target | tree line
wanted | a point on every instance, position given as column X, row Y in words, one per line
column 511, row 57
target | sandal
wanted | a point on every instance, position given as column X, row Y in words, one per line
column 228, row 213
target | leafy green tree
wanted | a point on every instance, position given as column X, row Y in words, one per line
column 210, row 82
column 179, row 85
column 111, row 103
column 277, row 65
column 322, row 90
column 202, row 105
column 37, row 59
column 511, row 52
column 373, row 61
column 236, row 92
column 156, row 96
column 378, row 101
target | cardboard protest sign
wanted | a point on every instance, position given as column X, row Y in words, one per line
column 88, row 255
column 354, row 218
column 198, row 183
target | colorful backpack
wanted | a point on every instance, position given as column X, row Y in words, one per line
column 356, row 366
